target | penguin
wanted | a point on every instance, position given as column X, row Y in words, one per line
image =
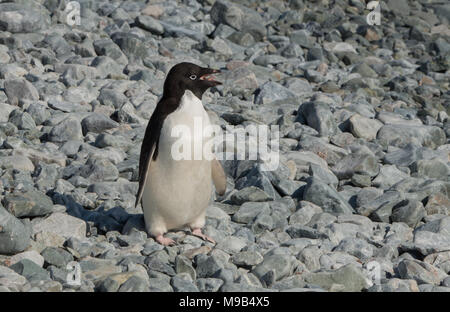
column 175, row 193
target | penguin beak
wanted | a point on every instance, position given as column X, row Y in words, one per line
column 209, row 78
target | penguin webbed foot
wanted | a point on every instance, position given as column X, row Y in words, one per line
column 198, row 232
column 165, row 241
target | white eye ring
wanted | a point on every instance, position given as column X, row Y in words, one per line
column 193, row 77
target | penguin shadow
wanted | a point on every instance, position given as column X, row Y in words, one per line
column 100, row 220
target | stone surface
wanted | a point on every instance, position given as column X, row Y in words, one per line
column 62, row 224
column 28, row 204
column 15, row 233
column 325, row 197
column 359, row 128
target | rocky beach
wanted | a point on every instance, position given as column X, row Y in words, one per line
column 359, row 201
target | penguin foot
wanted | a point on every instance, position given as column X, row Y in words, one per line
column 165, row 241
column 198, row 232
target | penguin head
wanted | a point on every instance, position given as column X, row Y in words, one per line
column 187, row 76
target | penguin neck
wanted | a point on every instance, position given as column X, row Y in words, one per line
column 177, row 92
column 191, row 103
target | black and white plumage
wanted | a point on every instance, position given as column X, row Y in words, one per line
column 175, row 193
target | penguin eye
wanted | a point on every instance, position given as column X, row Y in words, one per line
column 192, row 77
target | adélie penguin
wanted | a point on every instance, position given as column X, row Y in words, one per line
column 176, row 192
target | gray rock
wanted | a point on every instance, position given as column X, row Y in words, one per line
column 431, row 168
column 68, row 129
column 160, row 285
column 272, row 91
column 325, row 197
column 17, row 162
column 438, row 204
column 38, row 112
column 183, row 265
column 403, row 156
column 318, row 116
column 409, row 212
column 131, row 45
column 264, row 60
column 30, row 270
column 399, row 7
column 280, row 265
column 61, row 224
column 227, row 13
column 159, row 265
column 82, row 247
column 429, row 242
column 395, row 285
column 108, row 48
column 363, row 127
column 356, row 163
column 150, row 24
column 20, row 89
column 32, row 255
column 98, row 169
column 221, row 47
column 446, row 282
column 14, row 234
column 238, row 17
column 388, row 176
column 421, row 272
column 181, row 285
column 257, row 177
column 21, row 18
column 28, row 204
column 401, row 135
column 349, row 276
column 247, row 259
column 361, row 180
column 107, row 67
column 298, row 231
column 231, row 244
column 240, row 78
column 209, row 284
column 66, row 106
column 207, row 266
column 10, row 279
column 249, row 210
column 56, row 256
column 324, row 175
column 134, row 284
column 302, row 38
column 111, row 97
column 376, row 201
column 305, row 213
column 241, row 287
column 6, row 110
column 249, row 194
column 356, row 247
column 22, row 120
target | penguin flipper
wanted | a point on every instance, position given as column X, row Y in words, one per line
column 144, row 167
column 218, row 176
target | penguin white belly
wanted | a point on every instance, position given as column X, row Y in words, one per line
column 177, row 192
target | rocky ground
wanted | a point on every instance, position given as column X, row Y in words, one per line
column 360, row 201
